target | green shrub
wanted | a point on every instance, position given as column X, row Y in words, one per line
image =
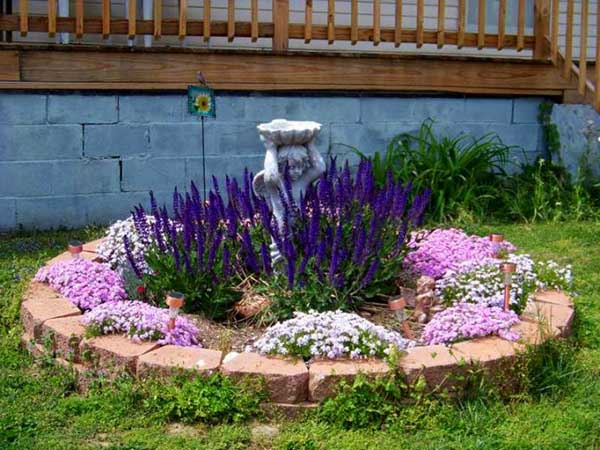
column 462, row 172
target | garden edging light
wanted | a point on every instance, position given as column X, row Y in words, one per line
column 75, row 248
column 507, row 269
column 175, row 301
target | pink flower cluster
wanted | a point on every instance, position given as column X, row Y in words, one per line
column 467, row 321
column 84, row 283
column 434, row 252
column 141, row 322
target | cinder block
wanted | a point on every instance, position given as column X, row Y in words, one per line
column 497, row 110
column 8, row 214
column 153, row 173
column 105, row 209
column 35, row 142
column 221, row 166
column 522, row 135
column 22, row 109
column 317, row 108
column 232, row 138
column 182, row 139
column 23, row 179
column 439, row 109
column 526, row 109
column 115, row 140
column 386, row 109
column 152, row 108
column 228, row 107
column 52, row 212
column 77, row 108
column 368, row 137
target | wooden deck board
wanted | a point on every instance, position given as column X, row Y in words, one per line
column 155, row 70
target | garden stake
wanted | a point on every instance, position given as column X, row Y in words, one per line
column 75, row 248
column 175, row 301
column 507, row 269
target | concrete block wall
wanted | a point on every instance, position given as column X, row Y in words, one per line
column 80, row 158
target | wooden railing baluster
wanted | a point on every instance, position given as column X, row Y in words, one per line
column 521, row 26
column 157, row 13
column 583, row 47
column 541, row 28
column 398, row 27
column 23, row 17
column 331, row 21
column 501, row 23
column 354, row 22
column 481, row 24
column 79, row 18
column 281, row 20
column 462, row 13
column 441, row 23
column 206, row 21
column 376, row 22
column 131, row 19
column 569, row 40
column 420, row 18
column 230, row 20
column 51, row 18
column 182, row 19
column 254, row 19
column 105, row 19
column 554, row 32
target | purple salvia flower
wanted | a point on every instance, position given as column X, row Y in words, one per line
column 266, row 258
column 370, row 273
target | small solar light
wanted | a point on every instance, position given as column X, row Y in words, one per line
column 507, row 269
column 75, row 249
column 397, row 306
column 175, row 301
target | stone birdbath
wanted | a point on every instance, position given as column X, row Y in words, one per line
column 288, row 144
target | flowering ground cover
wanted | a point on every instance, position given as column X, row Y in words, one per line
column 41, row 409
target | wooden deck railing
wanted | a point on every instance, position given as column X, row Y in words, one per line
column 279, row 28
column 416, row 29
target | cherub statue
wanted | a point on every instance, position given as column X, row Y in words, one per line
column 290, row 144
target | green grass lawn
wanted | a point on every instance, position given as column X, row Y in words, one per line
column 40, row 410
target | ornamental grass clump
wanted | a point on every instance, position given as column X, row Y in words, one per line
column 140, row 322
column 84, row 283
column 467, row 321
column 332, row 334
column 432, row 253
column 482, row 282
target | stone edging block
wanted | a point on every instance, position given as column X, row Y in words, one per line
column 324, row 376
column 41, row 304
column 66, row 333
column 114, row 352
column 170, row 359
column 286, row 381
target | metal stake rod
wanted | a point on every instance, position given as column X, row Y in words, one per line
column 203, row 160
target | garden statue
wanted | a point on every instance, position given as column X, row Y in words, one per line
column 289, row 144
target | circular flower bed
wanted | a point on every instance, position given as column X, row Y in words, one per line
column 348, row 247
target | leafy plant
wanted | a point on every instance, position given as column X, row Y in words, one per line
column 462, row 172
column 212, row 399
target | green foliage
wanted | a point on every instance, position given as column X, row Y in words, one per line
column 39, row 408
column 544, row 192
column 462, row 172
column 202, row 292
column 365, row 403
column 212, row 399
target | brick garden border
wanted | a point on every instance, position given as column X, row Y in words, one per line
column 51, row 322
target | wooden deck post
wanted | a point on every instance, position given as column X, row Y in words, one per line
column 541, row 28
column 281, row 19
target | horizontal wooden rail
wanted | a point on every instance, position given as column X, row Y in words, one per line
column 171, row 27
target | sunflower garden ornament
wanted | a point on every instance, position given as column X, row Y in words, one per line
column 201, row 101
